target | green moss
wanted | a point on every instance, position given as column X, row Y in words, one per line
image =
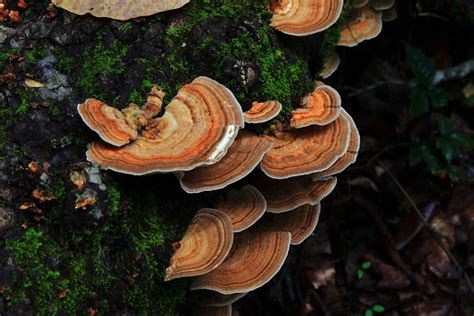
column 113, row 197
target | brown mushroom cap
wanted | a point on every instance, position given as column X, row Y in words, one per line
column 241, row 158
column 359, row 3
column 390, row 14
column 255, row 257
column 205, row 245
column 364, row 25
column 261, row 112
column 320, row 107
column 244, row 207
column 349, row 157
column 211, row 298
column 108, row 122
column 304, row 17
column 288, row 194
column 300, row 222
column 198, row 127
column 381, row 5
column 119, row 9
column 330, row 65
column 306, row 150
column 212, row 310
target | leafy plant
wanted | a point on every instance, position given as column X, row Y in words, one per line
column 374, row 309
column 364, row 266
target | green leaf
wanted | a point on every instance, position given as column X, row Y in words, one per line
column 419, row 102
column 368, row 312
column 423, row 68
column 445, row 126
column 378, row 308
column 366, row 265
column 422, row 153
column 439, row 97
column 360, row 274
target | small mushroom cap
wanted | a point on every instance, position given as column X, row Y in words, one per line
column 198, row 127
column 304, row 17
column 241, row 158
column 390, row 14
column 287, row 194
column 330, row 65
column 320, row 107
column 306, row 150
column 380, row 5
column 300, row 222
column 119, row 9
column 205, row 245
column 212, row 310
column 349, row 157
column 244, row 207
column 261, row 112
column 154, row 101
column 211, row 298
column 255, row 258
column 359, row 3
column 364, row 25
column 108, row 122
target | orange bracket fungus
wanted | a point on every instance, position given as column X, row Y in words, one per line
column 197, row 128
column 256, row 256
column 241, row 158
column 119, row 9
column 205, row 245
column 365, row 24
column 244, row 207
column 300, row 222
column 262, row 112
column 304, row 17
column 287, row 194
column 349, row 156
column 320, row 107
column 330, row 65
column 306, row 150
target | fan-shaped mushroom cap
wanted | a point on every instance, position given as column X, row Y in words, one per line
column 306, row 150
column 320, row 107
column 287, row 194
column 108, row 122
column 381, row 5
column 359, row 3
column 300, row 222
column 390, row 14
column 119, row 9
column 330, row 65
column 241, row 158
column 261, row 112
column 198, row 127
column 205, row 245
column 212, row 310
column 211, row 298
column 349, row 157
column 304, row 17
column 255, row 257
column 244, row 207
column 364, row 25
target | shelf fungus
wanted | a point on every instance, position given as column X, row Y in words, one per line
column 205, row 245
column 287, row 194
column 256, row 256
column 241, row 158
column 300, row 222
column 365, row 24
column 320, row 107
column 244, row 207
column 119, row 9
column 197, row 128
column 349, row 157
column 330, row 65
column 306, row 150
column 381, row 5
column 211, row 298
column 304, row 17
column 356, row 4
column 262, row 112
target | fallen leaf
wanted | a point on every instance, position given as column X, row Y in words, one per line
column 33, row 84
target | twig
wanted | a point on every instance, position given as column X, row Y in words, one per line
column 425, row 222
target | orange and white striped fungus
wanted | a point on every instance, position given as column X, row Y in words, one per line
column 241, row 158
column 306, row 150
column 304, row 17
column 320, row 107
column 244, row 207
column 364, row 24
column 349, row 157
column 300, row 222
column 212, row 310
column 205, row 245
column 262, row 112
column 119, row 9
column 330, row 65
column 256, row 256
column 287, row 194
column 197, row 128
